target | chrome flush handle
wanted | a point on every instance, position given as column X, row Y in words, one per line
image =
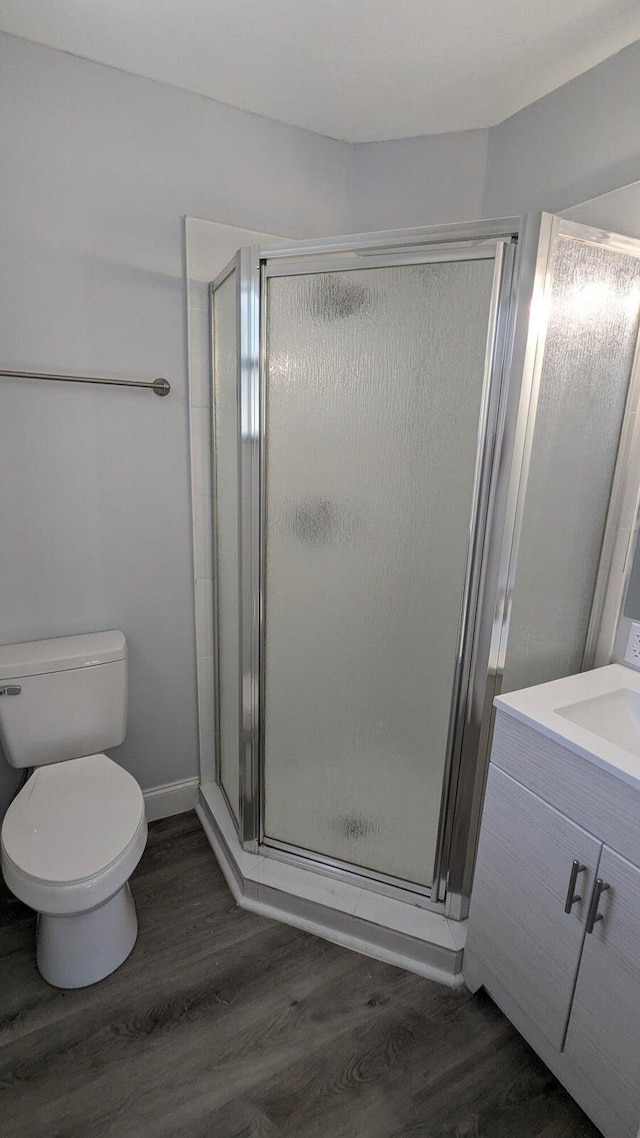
column 599, row 888
column 572, row 896
column 11, row 689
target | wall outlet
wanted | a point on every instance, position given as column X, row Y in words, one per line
column 632, row 653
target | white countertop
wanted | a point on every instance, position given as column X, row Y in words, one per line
column 538, row 707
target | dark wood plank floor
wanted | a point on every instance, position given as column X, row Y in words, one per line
column 225, row 1025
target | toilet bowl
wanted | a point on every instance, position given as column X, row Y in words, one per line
column 70, row 841
column 75, row 832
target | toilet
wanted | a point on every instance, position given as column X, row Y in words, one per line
column 76, row 830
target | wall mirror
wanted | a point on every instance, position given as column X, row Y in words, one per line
column 618, row 211
column 632, row 599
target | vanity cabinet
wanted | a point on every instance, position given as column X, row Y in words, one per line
column 526, row 869
column 603, row 1036
column 554, row 927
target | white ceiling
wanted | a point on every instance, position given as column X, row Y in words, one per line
column 352, row 69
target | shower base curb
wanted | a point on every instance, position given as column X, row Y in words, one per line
column 347, row 915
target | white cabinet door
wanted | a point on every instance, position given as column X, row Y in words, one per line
column 519, row 932
column 604, row 1029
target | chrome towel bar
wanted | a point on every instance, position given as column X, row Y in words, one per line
column 159, row 386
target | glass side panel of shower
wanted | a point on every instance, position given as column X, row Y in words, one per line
column 374, row 387
column 225, row 431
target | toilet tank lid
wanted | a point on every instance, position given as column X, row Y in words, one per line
column 60, row 654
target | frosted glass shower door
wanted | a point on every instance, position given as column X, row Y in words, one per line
column 373, row 398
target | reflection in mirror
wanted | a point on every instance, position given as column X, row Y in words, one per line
column 616, row 212
column 632, row 601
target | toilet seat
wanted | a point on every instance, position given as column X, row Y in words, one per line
column 73, row 835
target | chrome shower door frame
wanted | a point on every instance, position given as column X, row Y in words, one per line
column 251, row 433
column 512, row 376
column 245, row 265
column 523, row 316
column 491, row 240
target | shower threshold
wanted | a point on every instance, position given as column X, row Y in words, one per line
column 396, row 931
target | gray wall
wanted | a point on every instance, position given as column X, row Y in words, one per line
column 99, row 168
column 419, row 181
column 618, row 211
column 577, row 142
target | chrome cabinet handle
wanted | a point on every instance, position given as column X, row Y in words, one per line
column 573, row 897
column 599, row 888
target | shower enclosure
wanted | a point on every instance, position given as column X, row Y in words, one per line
column 416, row 436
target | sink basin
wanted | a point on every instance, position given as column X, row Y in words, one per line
column 613, row 715
column 595, row 714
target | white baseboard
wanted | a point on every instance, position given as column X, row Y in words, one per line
column 170, row 798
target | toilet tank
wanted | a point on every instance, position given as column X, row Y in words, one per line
column 62, row 698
